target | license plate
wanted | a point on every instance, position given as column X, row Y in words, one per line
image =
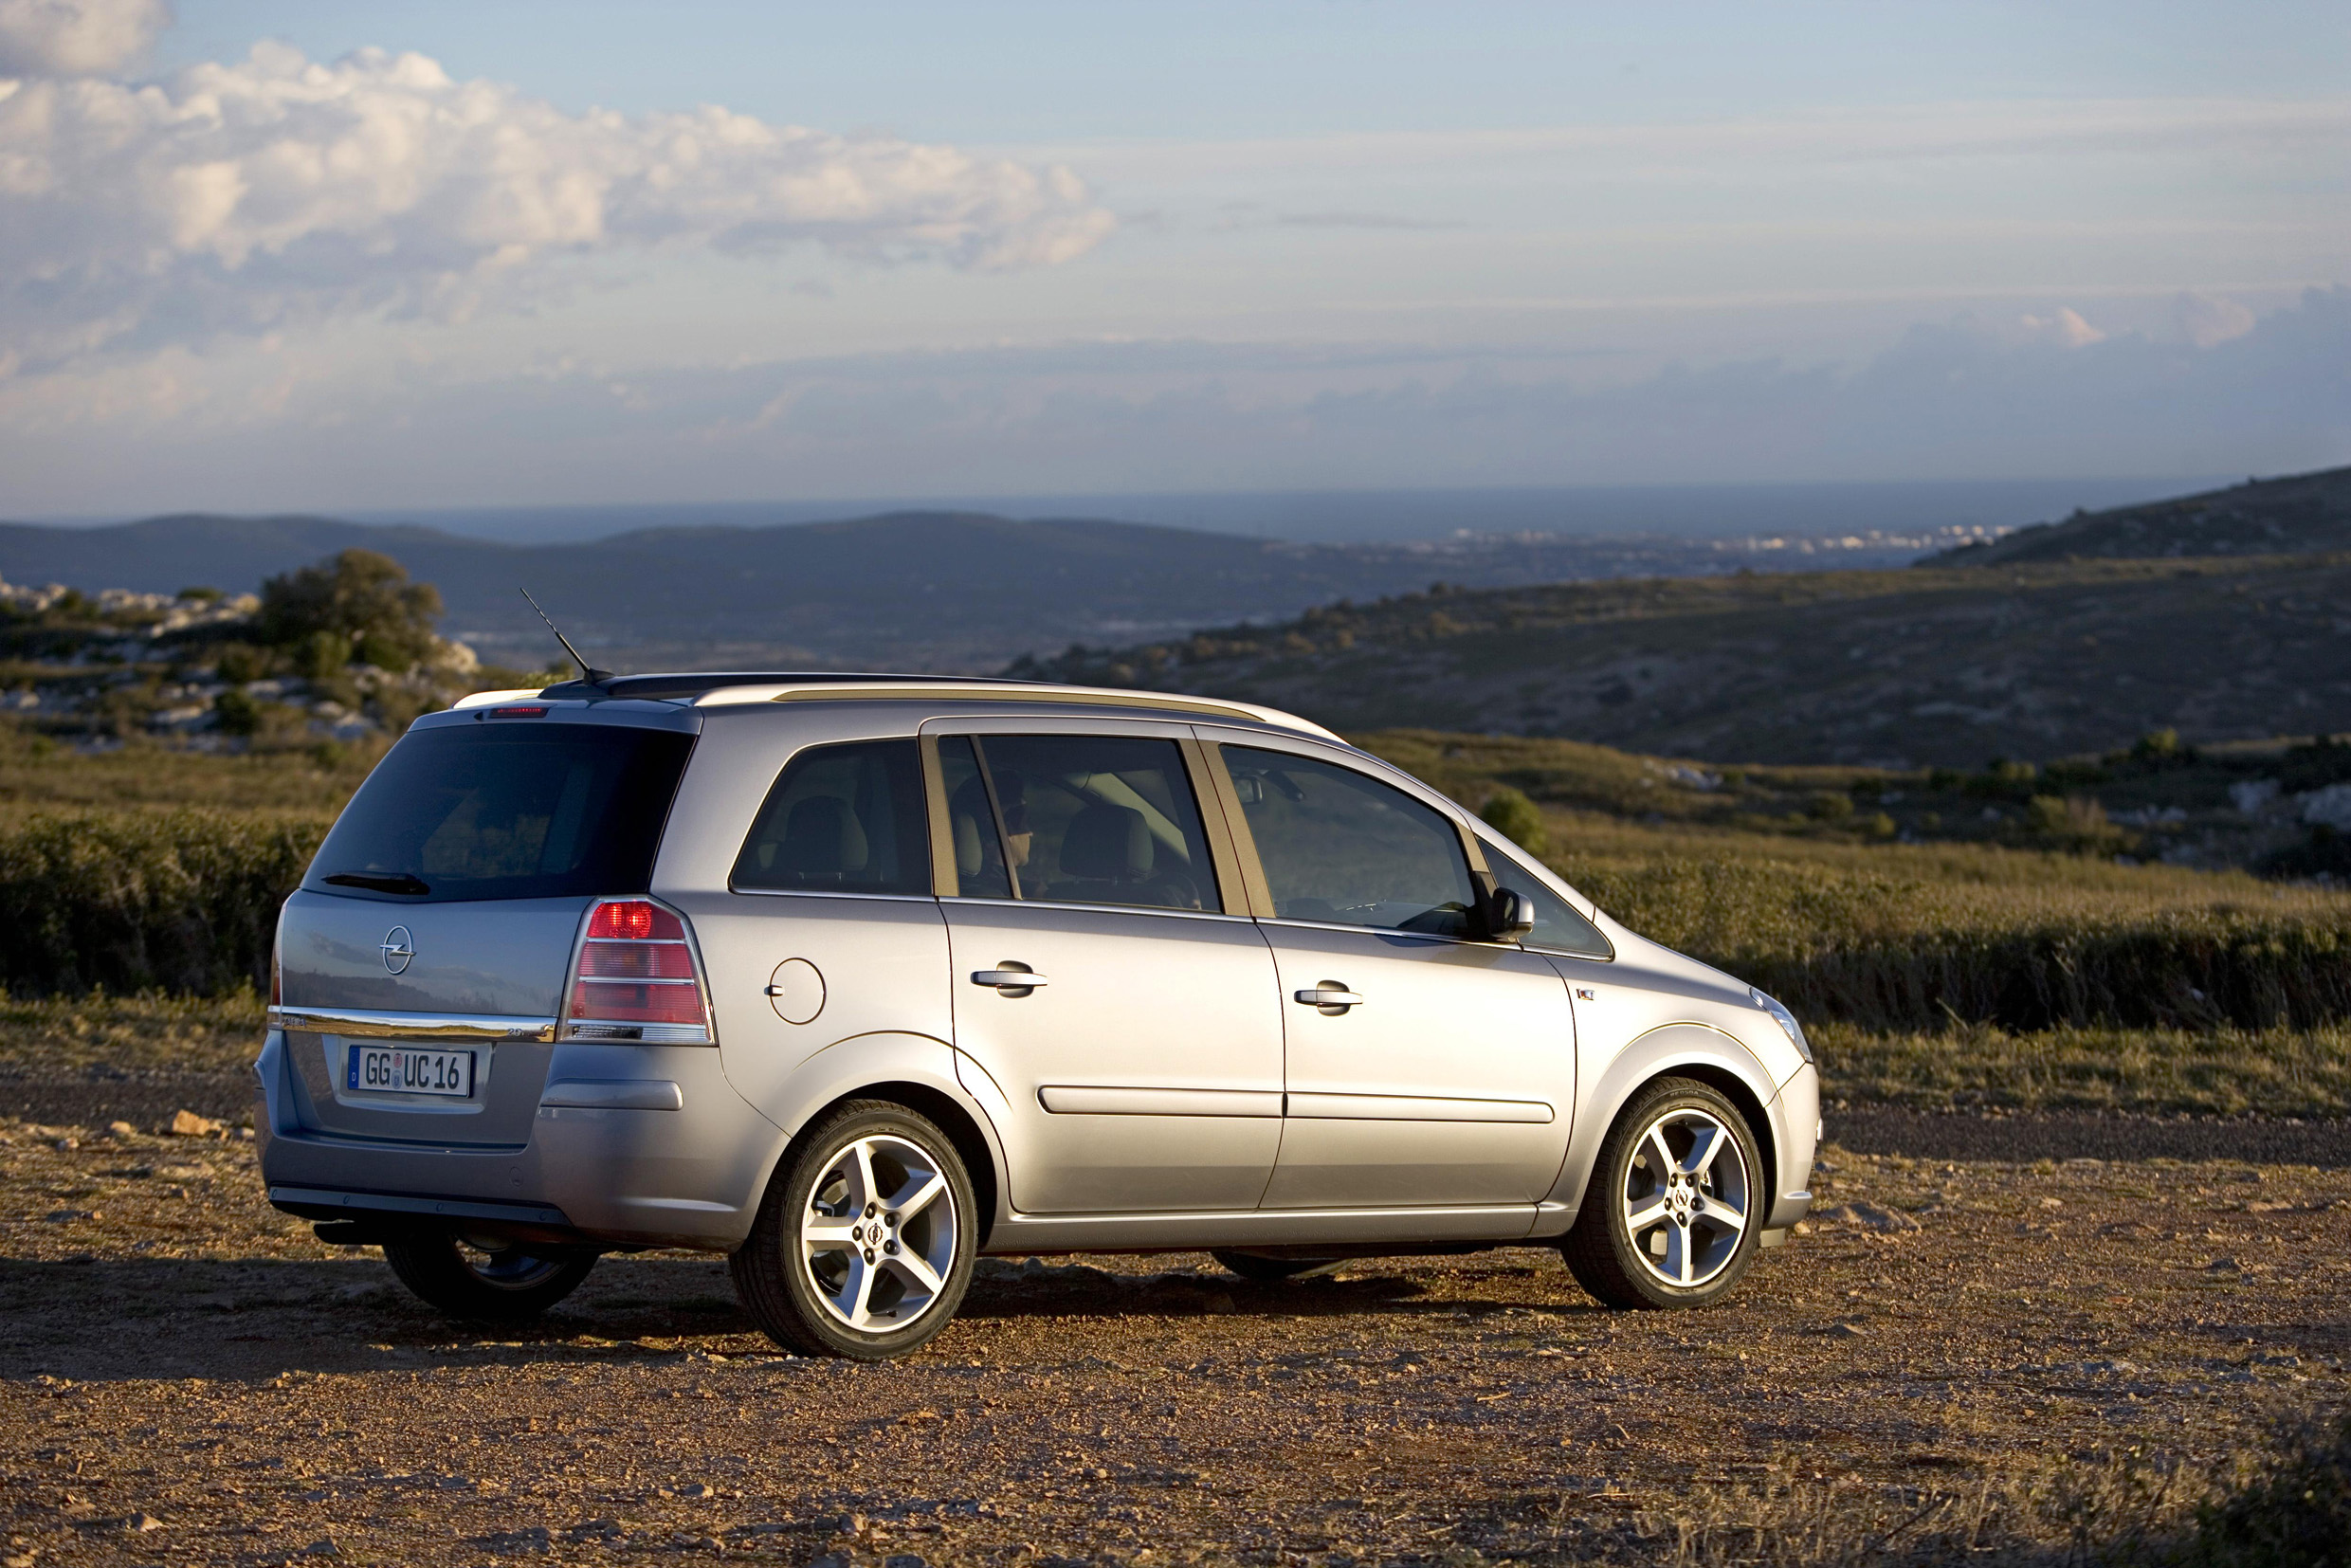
column 401, row 1069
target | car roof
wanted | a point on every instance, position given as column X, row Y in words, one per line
column 731, row 688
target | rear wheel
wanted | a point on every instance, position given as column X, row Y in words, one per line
column 491, row 1284
column 862, row 1246
column 1264, row 1270
column 1675, row 1207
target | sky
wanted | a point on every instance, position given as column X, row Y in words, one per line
column 262, row 255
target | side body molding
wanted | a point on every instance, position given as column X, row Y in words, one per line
column 1660, row 1050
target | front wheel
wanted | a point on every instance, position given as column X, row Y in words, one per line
column 507, row 1283
column 1675, row 1207
column 862, row 1246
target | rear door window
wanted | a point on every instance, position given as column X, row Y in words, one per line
column 843, row 819
column 515, row 809
column 1084, row 819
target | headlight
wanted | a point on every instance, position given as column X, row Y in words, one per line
column 1786, row 1020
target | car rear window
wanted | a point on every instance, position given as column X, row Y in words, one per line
column 507, row 811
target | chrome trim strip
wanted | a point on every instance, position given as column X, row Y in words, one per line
column 1409, row 1107
column 369, row 1024
column 1082, row 1100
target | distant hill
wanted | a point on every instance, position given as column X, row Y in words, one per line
column 2272, row 516
column 1945, row 665
column 915, row 588
column 908, row 590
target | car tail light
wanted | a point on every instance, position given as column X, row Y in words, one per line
column 636, row 978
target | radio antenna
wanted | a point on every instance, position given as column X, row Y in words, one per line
column 587, row 671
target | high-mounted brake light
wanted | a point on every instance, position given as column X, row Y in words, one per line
column 517, row 713
column 636, row 978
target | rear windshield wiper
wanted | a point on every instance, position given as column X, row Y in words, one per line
column 378, row 882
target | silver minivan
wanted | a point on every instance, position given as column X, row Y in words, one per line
column 853, row 978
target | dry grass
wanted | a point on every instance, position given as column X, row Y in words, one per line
column 69, row 1036
column 2164, row 1071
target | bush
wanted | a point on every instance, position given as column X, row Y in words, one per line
column 2295, row 1513
column 183, row 902
column 1510, row 814
column 1828, row 806
column 1895, row 953
column 236, row 714
column 241, row 662
column 359, row 598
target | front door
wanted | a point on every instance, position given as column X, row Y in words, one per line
column 1424, row 1068
column 1128, row 1021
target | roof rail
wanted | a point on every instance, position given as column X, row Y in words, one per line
column 910, row 688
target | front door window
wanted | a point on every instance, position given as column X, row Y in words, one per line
column 1339, row 848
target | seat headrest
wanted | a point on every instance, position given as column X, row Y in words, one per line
column 967, row 843
column 1107, row 843
column 823, row 837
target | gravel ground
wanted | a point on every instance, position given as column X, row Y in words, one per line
column 188, row 1376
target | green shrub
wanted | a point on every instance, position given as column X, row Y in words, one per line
column 236, row 714
column 1828, row 806
column 183, row 902
column 1510, row 814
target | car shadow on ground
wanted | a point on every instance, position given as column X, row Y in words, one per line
column 252, row 1319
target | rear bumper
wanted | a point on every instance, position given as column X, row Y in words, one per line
column 630, row 1146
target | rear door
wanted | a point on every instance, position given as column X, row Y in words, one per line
column 421, row 960
column 1125, row 1015
column 1425, row 1066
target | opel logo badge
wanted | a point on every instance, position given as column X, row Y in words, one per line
column 396, row 949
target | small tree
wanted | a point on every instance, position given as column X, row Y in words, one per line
column 361, row 597
column 1518, row 819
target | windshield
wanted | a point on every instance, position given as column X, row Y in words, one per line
column 506, row 811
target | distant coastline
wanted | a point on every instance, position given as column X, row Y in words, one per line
column 1367, row 517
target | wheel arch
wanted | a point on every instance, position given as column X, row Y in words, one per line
column 912, row 1071
column 1676, row 1051
column 962, row 1127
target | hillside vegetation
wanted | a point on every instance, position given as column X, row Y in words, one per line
column 938, row 591
column 1925, row 666
column 2303, row 514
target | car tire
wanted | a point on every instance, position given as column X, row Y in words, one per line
column 862, row 1246
column 510, row 1285
column 1259, row 1269
column 1675, row 1207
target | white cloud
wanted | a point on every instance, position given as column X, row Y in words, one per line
column 2065, row 328
column 279, row 189
column 2205, row 320
column 76, row 37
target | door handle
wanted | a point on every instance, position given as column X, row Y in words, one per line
column 1330, row 993
column 1008, row 978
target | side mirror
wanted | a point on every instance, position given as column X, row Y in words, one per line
column 1510, row 916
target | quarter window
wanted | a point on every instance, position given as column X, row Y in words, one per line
column 842, row 819
column 1344, row 849
column 1081, row 819
column 1558, row 926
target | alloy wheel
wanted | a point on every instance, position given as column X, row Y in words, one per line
column 879, row 1234
column 1685, row 1197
